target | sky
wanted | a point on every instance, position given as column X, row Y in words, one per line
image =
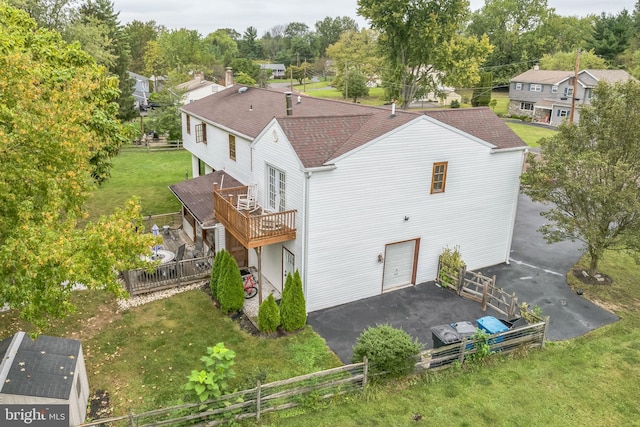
column 207, row 16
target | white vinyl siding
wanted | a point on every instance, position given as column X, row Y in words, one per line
column 348, row 229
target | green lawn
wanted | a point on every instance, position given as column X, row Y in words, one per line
column 591, row 380
column 142, row 356
column 143, row 174
column 531, row 134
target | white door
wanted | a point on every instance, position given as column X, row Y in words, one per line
column 288, row 264
column 399, row 264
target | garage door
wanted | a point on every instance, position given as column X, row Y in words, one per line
column 399, row 264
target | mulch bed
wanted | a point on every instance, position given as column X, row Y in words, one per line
column 99, row 405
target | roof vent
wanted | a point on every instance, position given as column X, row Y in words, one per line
column 243, row 89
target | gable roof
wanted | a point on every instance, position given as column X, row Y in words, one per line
column 196, row 194
column 43, row 367
column 542, row 76
column 609, row 76
column 321, row 130
column 196, row 83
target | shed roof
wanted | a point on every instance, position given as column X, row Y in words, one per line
column 197, row 194
column 43, row 367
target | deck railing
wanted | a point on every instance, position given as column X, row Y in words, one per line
column 252, row 230
column 166, row 276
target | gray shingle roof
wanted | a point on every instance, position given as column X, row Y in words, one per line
column 321, row 130
column 43, row 367
column 550, row 77
column 197, row 194
column 609, row 76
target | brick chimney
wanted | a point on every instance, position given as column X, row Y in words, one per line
column 288, row 103
column 228, row 77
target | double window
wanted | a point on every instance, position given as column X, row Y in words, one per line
column 563, row 113
column 232, row 147
column 535, row 87
column 201, row 133
column 438, row 177
column 526, row 106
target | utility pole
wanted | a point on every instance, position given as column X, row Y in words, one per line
column 346, row 81
column 291, row 79
column 304, row 75
column 575, row 87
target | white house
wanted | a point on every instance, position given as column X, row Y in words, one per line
column 360, row 199
column 198, row 88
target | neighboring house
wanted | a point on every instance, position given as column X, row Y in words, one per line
column 141, row 90
column 44, row 371
column 278, row 71
column 198, row 88
column 546, row 95
column 360, row 199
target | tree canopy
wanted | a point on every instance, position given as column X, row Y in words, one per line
column 423, row 45
column 589, row 174
column 58, row 132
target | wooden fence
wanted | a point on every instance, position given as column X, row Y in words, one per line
column 252, row 403
column 160, row 145
column 169, row 275
column 480, row 288
column 533, row 335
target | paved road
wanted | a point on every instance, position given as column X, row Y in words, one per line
column 536, row 274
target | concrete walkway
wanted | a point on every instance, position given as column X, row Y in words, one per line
column 536, row 274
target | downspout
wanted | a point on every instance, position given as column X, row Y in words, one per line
column 305, row 240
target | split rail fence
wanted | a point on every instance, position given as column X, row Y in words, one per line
column 252, row 403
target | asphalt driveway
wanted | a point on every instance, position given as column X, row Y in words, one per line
column 536, row 274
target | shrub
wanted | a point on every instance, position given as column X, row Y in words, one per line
column 388, row 350
column 268, row 315
column 293, row 309
column 450, row 265
column 221, row 257
column 230, row 286
column 211, row 382
column 455, row 104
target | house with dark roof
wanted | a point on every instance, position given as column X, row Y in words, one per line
column 360, row 199
column 546, row 96
column 45, row 371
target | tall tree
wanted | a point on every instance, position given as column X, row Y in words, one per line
column 611, row 35
column 272, row 42
column 102, row 11
column 52, row 14
column 482, row 93
column 356, row 51
column 423, row 45
column 248, row 47
column 329, row 30
column 58, row 132
column 139, row 34
column 516, row 30
column 589, row 174
column 222, row 47
column 567, row 61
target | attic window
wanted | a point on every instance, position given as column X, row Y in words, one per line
column 232, row 147
column 439, row 177
column 188, row 124
column 201, row 133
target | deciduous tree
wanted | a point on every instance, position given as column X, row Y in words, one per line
column 58, row 132
column 589, row 173
column 567, row 61
column 423, row 45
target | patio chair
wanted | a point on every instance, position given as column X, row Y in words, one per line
column 249, row 201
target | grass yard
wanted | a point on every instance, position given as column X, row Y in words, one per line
column 592, row 380
column 143, row 174
column 142, row 356
column 323, row 91
column 531, row 134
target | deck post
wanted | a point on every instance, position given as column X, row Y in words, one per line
column 259, row 249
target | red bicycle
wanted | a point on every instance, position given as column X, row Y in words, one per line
column 249, row 285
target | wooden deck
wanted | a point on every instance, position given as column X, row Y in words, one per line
column 252, row 229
